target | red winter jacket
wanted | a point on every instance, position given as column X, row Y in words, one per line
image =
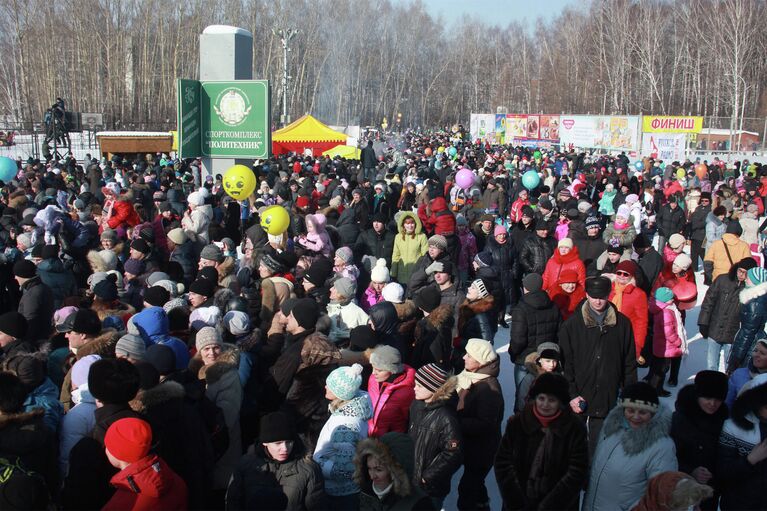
column 391, row 403
column 634, row 307
column 666, row 323
column 123, row 212
column 559, row 263
column 441, row 221
column 566, row 302
column 148, row 484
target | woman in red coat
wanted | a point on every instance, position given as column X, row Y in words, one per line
column 566, row 257
column 567, row 294
column 631, row 301
column 392, row 389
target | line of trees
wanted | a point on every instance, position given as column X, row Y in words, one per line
column 359, row 61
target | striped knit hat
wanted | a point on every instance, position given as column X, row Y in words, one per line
column 480, row 287
column 757, row 275
column 431, row 377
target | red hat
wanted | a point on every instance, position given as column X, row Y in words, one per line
column 302, row 201
column 629, row 267
column 567, row 276
column 129, row 439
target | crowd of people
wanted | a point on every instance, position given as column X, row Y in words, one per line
column 161, row 349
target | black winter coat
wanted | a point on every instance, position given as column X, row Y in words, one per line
column 698, row 223
column 374, row 244
column 651, row 264
column 598, row 362
column 25, row 437
column 720, row 310
column 565, row 462
column 534, row 320
column 696, row 433
column 670, row 221
column 520, row 233
column 534, row 254
column 505, row 259
column 433, row 338
column 480, row 413
column 436, row 433
column 36, row 306
column 589, row 249
column 258, row 479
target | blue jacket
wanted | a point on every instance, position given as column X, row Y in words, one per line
column 737, row 379
column 753, row 316
column 46, row 396
column 152, row 324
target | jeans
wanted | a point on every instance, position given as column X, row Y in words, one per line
column 712, row 354
column 519, row 374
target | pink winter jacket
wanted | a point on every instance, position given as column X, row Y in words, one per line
column 370, row 298
column 668, row 331
column 391, row 403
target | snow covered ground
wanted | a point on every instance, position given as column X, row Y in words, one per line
column 691, row 364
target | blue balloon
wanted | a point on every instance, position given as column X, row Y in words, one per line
column 531, row 179
column 8, row 169
column 638, row 165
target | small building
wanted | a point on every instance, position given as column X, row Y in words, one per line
column 715, row 139
column 129, row 144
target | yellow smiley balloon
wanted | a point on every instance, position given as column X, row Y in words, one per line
column 239, row 182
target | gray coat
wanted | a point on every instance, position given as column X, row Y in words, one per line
column 626, row 459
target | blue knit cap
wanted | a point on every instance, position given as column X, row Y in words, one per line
column 757, row 275
column 664, row 294
column 344, row 382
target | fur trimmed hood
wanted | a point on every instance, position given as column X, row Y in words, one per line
column 531, row 364
column 406, row 310
column 611, row 318
column 634, row 441
column 229, row 360
column 157, row 396
column 753, row 292
column 445, row 392
column 20, row 419
column 440, row 316
column 395, row 452
column 103, row 345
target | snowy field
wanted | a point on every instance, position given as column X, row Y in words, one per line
column 691, row 364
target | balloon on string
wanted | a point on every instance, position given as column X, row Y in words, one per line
column 638, row 165
column 680, row 173
column 275, row 220
column 8, row 169
column 464, row 179
column 537, row 155
column 700, row 170
column 239, row 182
column 662, row 165
column 427, row 151
column 452, row 151
column 441, row 149
column 531, row 179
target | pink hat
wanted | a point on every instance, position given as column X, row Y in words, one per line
column 499, row 229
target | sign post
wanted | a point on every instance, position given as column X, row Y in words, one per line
column 189, row 118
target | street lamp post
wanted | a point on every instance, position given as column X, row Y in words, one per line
column 285, row 36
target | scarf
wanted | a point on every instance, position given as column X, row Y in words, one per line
column 466, row 379
column 545, row 421
column 620, row 226
column 618, row 296
column 381, row 494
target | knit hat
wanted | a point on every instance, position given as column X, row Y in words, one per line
column 565, row 242
column 344, row 382
column 380, row 273
column 25, row 269
column 272, row 263
column 483, row 259
column 81, row 368
column 734, row 227
column 481, row 350
column 461, row 220
column 162, row 358
column 592, row 221
column 598, row 287
column 276, row 427
column 393, row 292
column 86, row 321
column 499, row 229
column 386, row 358
column 623, row 211
column 676, row 240
column 113, row 380
column 206, row 336
column 361, row 338
column 156, row 296
column 345, row 287
column 177, row 236
column 528, row 211
column 438, row 241
column 683, row 261
column 306, row 312
column 628, row 266
column 109, row 235
column 664, row 294
column 128, row 439
column 345, row 254
column 427, row 298
column 568, row 276
column 203, row 287
column 584, row 207
column 106, row 290
column 532, row 282
column 14, row 324
column 49, row 252
column 552, row 384
column 640, row 395
column 140, row 245
column 641, row 241
column 208, row 273
column 195, row 198
column 632, row 198
column 431, row 377
column 212, row 253
column 711, row 384
column 134, row 266
column 479, row 285
column 757, row 275
column 548, row 350
column 319, row 272
column 131, row 346
column 237, row 322
column 204, row 316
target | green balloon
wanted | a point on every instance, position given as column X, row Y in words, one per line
column 537, row 155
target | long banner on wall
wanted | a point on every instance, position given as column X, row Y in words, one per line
column 664, row 146
column 612, row 133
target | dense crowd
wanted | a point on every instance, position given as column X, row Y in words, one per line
column 162, row 349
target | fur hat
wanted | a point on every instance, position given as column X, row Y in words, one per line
column 344, row 382
column 113, row 380
column 552, row 384
column 387, row 358
column 711, row 384
column 276, row 427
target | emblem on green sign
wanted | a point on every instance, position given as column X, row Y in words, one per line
column 232, row 106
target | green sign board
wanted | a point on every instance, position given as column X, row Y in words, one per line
column 233, row 119
column 189, row 126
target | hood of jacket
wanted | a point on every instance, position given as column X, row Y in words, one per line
column 151, row 323
column 440, row 317
column 531, row 364
column 444, row 393
column 687, row 405
column 753, row 292
column 149, row 476
column 406, row 310
column 713, row 219
column 730, row 239
column 358, row 407
column 159, row 395
column 29, row 424
column 318, row 220
column 394, row 451
column 103, row 345
column 538, row 300
column 400, row 219
column 384, row 317
column 438, row 204
column 227, row 361
column 52, row 265
column 634, row 441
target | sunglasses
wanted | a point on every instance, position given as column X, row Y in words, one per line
column 623, row 274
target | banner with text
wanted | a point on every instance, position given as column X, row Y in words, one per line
column 611, row 133
column 664, row 146
column 671, row 124
column 482, row 126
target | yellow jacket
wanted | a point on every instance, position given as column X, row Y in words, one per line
column 717, row 254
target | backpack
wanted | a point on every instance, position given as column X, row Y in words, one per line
column 21, row 488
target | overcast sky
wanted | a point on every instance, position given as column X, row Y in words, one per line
column 497, row 12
